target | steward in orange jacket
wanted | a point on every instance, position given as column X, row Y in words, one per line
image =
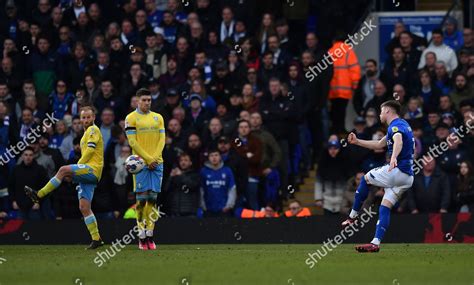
column 296, row 210
column 266, row 212
column 344, row 81
column 346, row 74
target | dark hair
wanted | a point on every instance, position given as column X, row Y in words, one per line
column 183, row 154
column 213, row 150
column 437, row 31
column 29, row 148
column 267, row 53
column 143, row 92
column 76, row 140
column 372, row 60
column 393, row 104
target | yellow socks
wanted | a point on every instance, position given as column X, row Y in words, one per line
column 141, row 222
column 49, row 187
column 151, row 216
column 92, row 226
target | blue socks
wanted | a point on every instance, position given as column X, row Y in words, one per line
column 382, row 224
column 360, row 196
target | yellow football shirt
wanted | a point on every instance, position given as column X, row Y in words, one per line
column 146, row 135
column 92, row 141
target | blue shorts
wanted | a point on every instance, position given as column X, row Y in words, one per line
column 84, row 176
column 148, row 179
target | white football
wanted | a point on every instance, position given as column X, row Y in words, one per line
column 134, row 164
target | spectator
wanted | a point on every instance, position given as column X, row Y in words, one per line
column 331, row 179
column 27, row 124
column 443, row 52
column 462, row 90
column 67, row 142
column 396, row 70
column 468, row 40
column 31, row 103
column 30, row 173
column 365, row 88
column 452, row 36
column 195, row 150
column 218, row 192
column 380, row 96
column 415, row 112
column 121, row 178
column 59, row 134
column 54, row 153
column 442, row 79
column 237, row 164
column 465, row 188
column 250, row 148
column 197, row 116
column 428, row 91
column 271, row 156
column 277, row 110
column 108, row 98
column 104, row 70
column 431, row 191
column 296, row 210
column 183, row 189
column 227, row 25
column 412, row 54
column 156, row 54
column 212, row 133
column 60, row 100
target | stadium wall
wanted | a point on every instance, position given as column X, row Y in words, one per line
column 423, row 228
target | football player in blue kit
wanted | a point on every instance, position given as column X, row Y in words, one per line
column 395, row 177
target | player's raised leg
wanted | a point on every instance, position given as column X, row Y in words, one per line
column 361, row 194
column 52, row 184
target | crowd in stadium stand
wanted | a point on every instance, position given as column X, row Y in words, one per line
column 244, row 125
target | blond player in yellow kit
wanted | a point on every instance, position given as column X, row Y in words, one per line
column 86, row 173
column 146, row 135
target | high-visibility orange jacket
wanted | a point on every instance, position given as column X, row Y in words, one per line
column 248, row 214
column 305, row 212
column 346, row 71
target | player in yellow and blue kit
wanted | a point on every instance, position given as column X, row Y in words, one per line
column 86, row 173
column 146, row 135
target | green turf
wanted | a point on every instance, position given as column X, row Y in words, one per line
column 396, row 264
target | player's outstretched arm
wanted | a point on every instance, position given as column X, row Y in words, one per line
column 352, row 138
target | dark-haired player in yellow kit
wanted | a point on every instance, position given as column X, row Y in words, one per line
column 146, row 134
column 86, row 173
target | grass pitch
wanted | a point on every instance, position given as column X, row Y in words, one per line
column 395, row 264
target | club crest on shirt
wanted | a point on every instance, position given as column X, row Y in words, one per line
column 155, row 118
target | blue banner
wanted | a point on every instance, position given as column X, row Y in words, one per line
column 418, row 25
